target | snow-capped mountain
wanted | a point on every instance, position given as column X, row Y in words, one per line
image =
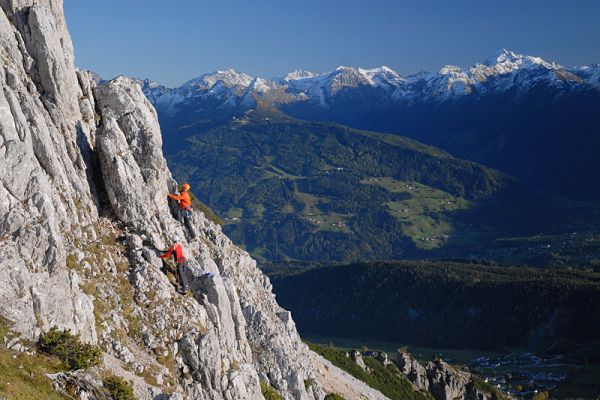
column 504, row 70
column 501, row 71
column 229, row 78
column 228, row 88
column 322, row 87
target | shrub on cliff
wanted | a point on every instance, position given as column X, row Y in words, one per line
column 269, row 392
column 118, row 388
column 69, row 348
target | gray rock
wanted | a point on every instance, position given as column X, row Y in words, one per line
column 356, row 357
column 383, row 358
column 412, row 370
column 84, row 385
column 446, row 382
column 130, row 152
column 42, row 179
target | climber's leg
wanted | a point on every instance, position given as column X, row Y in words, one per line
column 187, row 218
column 183, row 284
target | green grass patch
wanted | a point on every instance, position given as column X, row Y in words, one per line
column 281, row 173
column 72, row 261
column 234, row 215
column 322, row 221
column 22, row 376
column 423, row 213
column 334, row 396
column 254, row 211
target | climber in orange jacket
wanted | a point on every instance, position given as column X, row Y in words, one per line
column 185, row 207
column 184, row 199
column 177, row 250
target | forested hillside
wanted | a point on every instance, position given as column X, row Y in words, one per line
column 446, row 304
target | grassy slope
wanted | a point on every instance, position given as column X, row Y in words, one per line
column 424, row 213
column 22, row 376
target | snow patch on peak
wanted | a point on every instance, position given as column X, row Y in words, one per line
column 509, row 60
column 344, row 68
column 500, row 71
column 260, row 85
column 383, row 76
column 299, row 74
column 450, row 69
column 229, row 78
column 500, row 56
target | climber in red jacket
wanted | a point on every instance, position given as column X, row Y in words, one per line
column 185, row 207
column 177, row 250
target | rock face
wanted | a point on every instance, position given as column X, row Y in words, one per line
column 130, row 151
column 45, row 197
column 83, row 217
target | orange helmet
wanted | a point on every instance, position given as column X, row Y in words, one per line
column 185, row 187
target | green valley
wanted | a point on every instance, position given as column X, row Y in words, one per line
column 287, row 189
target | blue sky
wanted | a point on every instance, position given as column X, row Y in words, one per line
column 173, row 41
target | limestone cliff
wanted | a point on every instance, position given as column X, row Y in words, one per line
column 83, row 217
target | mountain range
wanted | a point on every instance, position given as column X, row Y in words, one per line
column 500, row 72
column 528, row 117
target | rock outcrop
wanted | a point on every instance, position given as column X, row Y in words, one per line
column 356, row 358
column 442, row 380
column 412, row 370
column 447, row 382
column 83, row 217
